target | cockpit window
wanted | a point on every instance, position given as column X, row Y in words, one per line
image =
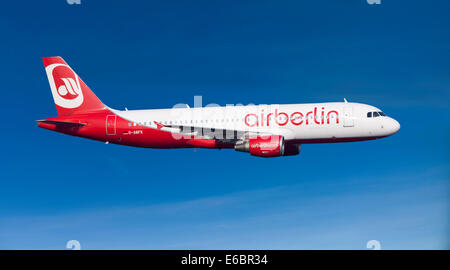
column 375, row 114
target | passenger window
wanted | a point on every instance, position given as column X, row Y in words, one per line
column 369, row 114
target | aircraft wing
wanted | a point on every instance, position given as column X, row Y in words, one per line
column 225, row 136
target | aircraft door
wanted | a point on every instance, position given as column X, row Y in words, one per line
column 348, row 116
column 111, row 125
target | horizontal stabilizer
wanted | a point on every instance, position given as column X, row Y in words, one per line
column 61, row 123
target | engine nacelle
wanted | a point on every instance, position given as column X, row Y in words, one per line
column 292, row 149
column 267, row 146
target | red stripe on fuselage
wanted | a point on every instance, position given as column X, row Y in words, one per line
column 333, row 140
column 135, row 135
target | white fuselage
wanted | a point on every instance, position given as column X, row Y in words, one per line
column 294, row 122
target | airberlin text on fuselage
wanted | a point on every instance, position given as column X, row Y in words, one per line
column 296, row 118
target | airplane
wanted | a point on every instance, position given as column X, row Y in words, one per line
column 261, row 130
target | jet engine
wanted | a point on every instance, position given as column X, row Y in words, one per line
column 267, row 146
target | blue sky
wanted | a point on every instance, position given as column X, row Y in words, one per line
column 155, row 54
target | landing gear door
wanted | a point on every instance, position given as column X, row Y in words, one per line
column 348, row 116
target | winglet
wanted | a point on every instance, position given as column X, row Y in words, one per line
column 159, row 126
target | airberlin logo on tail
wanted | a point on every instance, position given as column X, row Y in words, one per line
column 65, row 85
column 69, row 87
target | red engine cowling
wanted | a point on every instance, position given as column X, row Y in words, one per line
column 267, row 146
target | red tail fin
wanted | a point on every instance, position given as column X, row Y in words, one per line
column 70, row 93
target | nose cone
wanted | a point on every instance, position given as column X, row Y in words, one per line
column 394, row 126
